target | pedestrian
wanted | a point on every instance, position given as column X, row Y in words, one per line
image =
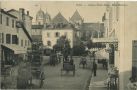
column 51, row 59
column 42, row 77
column 94, row 68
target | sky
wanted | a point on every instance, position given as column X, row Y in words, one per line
column 90, row 11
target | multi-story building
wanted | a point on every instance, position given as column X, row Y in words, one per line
column 47, row 28
column 59, row 27
column 75, row 25
column 120, row 24
column 127, row 43
column 14, row 36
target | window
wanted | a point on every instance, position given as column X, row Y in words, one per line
column 0, row 18
column 1, row 38
column 25, row 42
column 8, row 38
column 57, row 34
column 39, row 23
column 48, row 34
column 28, row 42
column 48, row 43
column 14, row 39
column 22, row 43
column 7, row 21
column 12, row 23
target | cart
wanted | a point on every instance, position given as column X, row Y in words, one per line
column 68, row 67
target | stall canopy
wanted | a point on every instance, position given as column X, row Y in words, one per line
column 102, row 54
column 17, row 49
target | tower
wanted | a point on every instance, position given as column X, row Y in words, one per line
column 47, row 18
column 40, row 17
column 76, row 19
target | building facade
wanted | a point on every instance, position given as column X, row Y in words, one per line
column 45, row 26
column 121, row 25
column 14, row 37
column 75, row 25
column 128, row 39
column 59, row 27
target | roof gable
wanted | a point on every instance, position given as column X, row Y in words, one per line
column 59, row 19
column 7, row 13
column 76, row 16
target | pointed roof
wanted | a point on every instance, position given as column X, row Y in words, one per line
column 76, row 16
column 59, row 19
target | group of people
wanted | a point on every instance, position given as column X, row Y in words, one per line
column 132, row 85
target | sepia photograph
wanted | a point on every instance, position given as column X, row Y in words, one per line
column 68, row 45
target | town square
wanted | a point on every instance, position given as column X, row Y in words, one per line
column 68, row 45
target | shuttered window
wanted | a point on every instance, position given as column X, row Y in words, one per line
column 8, row 38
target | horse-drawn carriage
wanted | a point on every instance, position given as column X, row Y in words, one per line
column 67, row 66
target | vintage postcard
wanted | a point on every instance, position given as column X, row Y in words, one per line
column 68, row 45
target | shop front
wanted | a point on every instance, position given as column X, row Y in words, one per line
column 11, row 54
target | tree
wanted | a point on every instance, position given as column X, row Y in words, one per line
column 63, row 45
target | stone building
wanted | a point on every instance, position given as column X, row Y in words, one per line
column 14, row 36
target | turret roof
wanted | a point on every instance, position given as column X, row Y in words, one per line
column 59, row 18
column 76, row 16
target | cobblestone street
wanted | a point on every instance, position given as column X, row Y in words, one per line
column 54, row 80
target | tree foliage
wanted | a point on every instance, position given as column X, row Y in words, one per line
column 63, row 45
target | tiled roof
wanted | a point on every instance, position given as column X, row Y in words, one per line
column 13, row 10
column 92, row 26
column 59, row 19
column 8, row 13
column 37, row 26
column 76, row 16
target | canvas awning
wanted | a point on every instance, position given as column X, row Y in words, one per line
column 102, row 54
column 105, row 40
column 17, row 49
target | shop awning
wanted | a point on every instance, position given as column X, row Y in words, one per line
column 17, row 49
column 102, row 54
column 105, row 40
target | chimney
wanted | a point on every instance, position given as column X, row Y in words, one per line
column 28, row 13
column 21, row 14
